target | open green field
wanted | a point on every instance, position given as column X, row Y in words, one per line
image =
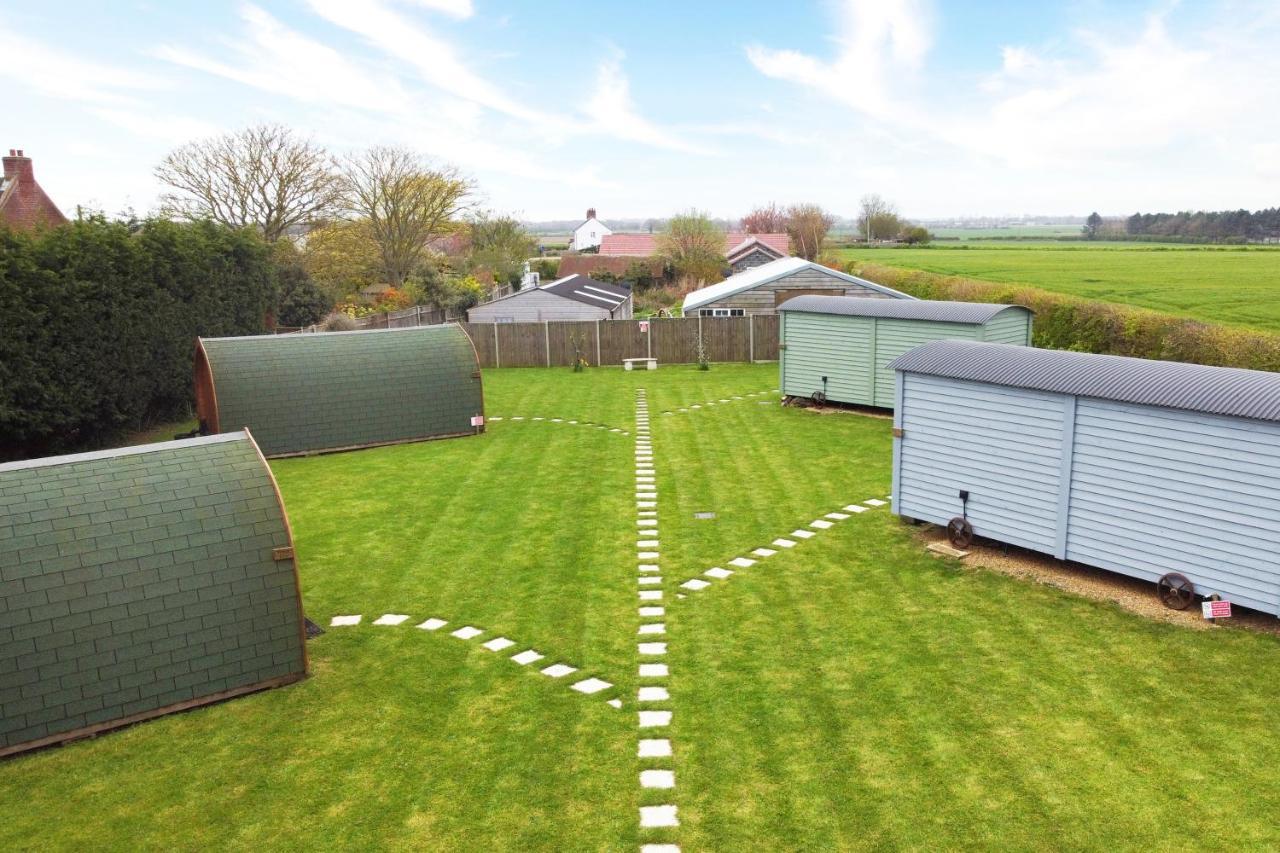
column 850, row 692
column 1239, row 286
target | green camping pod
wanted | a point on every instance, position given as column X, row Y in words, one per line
column 838, row 348
column 308, row 393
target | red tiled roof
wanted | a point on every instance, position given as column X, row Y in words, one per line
column 646, row 244
column 23, row 204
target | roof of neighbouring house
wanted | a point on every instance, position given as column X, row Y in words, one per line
column 647, row 244
column 1171, row 384
column 772, row 271
column 23, row 202
column 579, row 288
column 899, row 309
column 752, row 243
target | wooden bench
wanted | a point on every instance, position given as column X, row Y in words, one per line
column 649, row 363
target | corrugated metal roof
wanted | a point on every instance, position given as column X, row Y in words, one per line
column 1171, row 384
column 898, row 309
column 772, row 271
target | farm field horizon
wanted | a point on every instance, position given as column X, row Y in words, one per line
column 1237, row 286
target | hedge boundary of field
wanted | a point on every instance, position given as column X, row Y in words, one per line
column 1087, row 325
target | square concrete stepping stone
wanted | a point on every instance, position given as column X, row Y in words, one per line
column 647, row 496
column 648, row 543
column 695, row 584
column 647, row 555
column 645, row 504
column 643, row 479
column 573, row 422
column 650, row 595
column 653, row 628
column 741, row 562
column 695, row 407
column 654, row 748
column 646, row 513
column 555, row 420
column 784, row 543
column 764, row 552
column 433, row 624
column 821, row 524
column 518, row 418
column 559, row 670
column 497, row 644
column 491, row 420
column 591, row 685
column 649, row 580
column 651, row 648
column 653, row 611
column 838, row 516
column 718, row 573
column 468, row 632
column 648, row 567
column 653, row 670
column 654, row 719
column 855, row 508
column 802, row 534
column 339, row 621
column 724, row 401
column 874, row 502
column 658, row 816
column 539, row 419
column 615, row 703
column 391, row 619
column 652, row 694
column 657, row 779
column 527, row 657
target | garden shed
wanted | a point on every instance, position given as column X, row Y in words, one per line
column 761, row 289
column 1140, row 467
column 141, row 581
column 306, row 393
column 841, row 346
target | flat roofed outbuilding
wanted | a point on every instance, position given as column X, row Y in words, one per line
column 840, row 347
column 1135, row 466
column 307, row 393
column 141, row 581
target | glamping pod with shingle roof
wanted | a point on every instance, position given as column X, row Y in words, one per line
column 1140, row 467
column 307, row 393
column 840, row 346
column 141, row 581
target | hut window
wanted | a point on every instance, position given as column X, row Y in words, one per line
column 722, row 312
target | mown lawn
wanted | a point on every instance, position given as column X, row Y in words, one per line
column 850, row 693
column 1239, row 286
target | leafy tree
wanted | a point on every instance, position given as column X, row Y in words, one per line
column 342, row 257
column 263, row 177
column 807, row 226
column 302, row 303
column 406, row 201
column 1092, row 226
column 501, row 245
column 878, row 219
column 916, row 235
column 766, row 219
column 693, row 246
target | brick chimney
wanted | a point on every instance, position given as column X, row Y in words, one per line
column 591, row 211
column 17, row 166
column 23, row 204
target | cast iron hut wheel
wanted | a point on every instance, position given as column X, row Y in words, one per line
column 960, row 532
column 1175, row 591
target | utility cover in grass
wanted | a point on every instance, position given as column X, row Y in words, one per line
column 654, row 748
column 652, row 817
column 657, row 779
column 527, row 657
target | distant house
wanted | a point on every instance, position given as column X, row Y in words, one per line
column 574, row 297
column 23, row 204
column 760, row 290
column 589, row 234
column 643, row 245
column 752, row 252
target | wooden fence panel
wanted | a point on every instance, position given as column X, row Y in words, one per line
column 727, row 338
column 675, row 340
column 563, row 335
column 764, row 333
column 482, row 336
column 522, row 345
column 621, row 339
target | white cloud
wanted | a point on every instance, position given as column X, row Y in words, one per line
column 58, row 74
column 172, row 130
column 612, row 111
column 456, row 8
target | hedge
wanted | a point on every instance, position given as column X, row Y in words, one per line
column 1084, row 325
column 99, row 321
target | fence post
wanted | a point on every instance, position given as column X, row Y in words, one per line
column 598, row 364
column 751, row 339
column 497, row 354
column 648, row 339
column 546, row 336
column 417, row 315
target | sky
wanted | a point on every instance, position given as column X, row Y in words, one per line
column 947, row 109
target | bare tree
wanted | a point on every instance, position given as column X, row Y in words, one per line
column 766, row 219
column 262, row 176
column 406, row 202
column 807, row 226
column 878, row 219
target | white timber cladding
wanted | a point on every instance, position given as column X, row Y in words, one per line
column 762, row 300
column 538, row 305
column 1001, row 445
column 589, row 234
column 1157, row 490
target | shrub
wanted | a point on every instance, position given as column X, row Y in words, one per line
column 100, row 323
column 338, row 322
column 1083, row 325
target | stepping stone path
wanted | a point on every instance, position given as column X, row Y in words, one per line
column 793, row 539
column 586, row 686
column 656, row 774
column 545, row 420
column 712, row 403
